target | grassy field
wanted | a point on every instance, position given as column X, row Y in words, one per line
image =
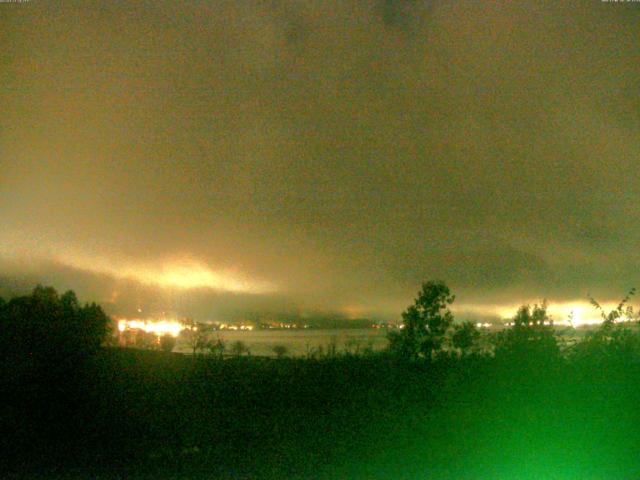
column 138, row 414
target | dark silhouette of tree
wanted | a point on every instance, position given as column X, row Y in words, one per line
column 615, row 338
column 465, row 337
column 623, row 311
column 45, row 327
column 425, row 323
column 69, row 301
column 167, row 343
column 217, row 347
column 280, row 350
column 196, row 335
column 146, row 340
column 238, row 348
column 46, row 341
column 531, row 338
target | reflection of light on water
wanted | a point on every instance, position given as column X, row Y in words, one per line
column 159, row 328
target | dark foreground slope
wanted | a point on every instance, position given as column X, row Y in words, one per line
column 138, row 414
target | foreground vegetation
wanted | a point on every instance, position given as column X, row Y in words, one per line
column 443, row 402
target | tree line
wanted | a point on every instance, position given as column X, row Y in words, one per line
column 428, row 332
column 46, row 328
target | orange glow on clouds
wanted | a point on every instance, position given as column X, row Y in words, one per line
column 176, row 273
column 187, row 275
column 179, row 272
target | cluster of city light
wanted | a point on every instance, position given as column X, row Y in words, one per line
column 483, row 325
column 171, row 327
column 159, row 327
column 224, row 326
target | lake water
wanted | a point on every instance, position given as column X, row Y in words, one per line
column 300, row 342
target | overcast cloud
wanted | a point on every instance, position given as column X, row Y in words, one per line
column 212, row 157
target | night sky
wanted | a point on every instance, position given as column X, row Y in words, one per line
column 213, row 158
